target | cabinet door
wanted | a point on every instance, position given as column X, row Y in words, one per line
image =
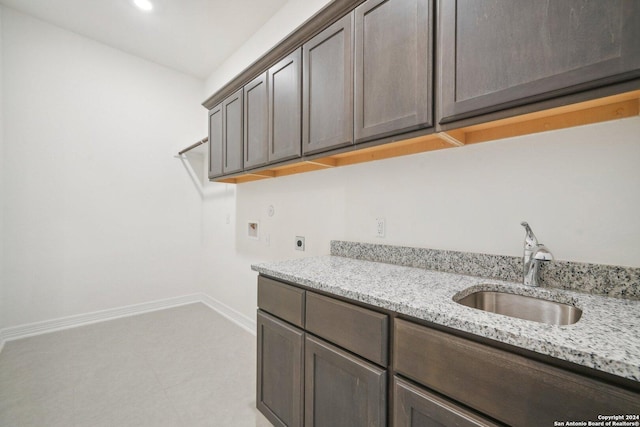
column 504, row 53
column 327, row 105
column 285, row 108
column 342, row 390
column 256, row 122
column 215, row 141
column 393, row 67
column 280, row 362
column 232, row 133
column 416, row 407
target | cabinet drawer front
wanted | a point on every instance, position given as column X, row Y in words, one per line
column 342, row 389
column 283, row 301
column 505, row 386
column 416, row 407
column 365, row 332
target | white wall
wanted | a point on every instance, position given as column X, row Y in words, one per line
column 1, row 172
column 97, row 211
column 578, row 188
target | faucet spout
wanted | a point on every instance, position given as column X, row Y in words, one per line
column 534, row 254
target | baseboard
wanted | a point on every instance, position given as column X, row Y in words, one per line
column 38, row 328
column 235, row 316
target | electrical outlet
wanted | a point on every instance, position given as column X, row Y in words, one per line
column 299, row 243
column 380, row 227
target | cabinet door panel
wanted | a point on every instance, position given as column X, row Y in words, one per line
column 328, row 88
column 215, row 141
column 285, row 99
column 233, row 141
column 393, row 67
column 416, row 407
column 256, row 122
column 280, row 362
column 502, row 53
column 342, row 390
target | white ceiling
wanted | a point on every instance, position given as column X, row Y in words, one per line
column 192, row 36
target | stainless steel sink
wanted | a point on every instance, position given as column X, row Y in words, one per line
column 523, row 307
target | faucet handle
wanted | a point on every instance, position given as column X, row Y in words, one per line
column 530, row 239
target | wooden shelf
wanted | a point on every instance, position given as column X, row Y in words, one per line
column 594, row 111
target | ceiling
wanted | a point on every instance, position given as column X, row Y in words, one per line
column 191, row 36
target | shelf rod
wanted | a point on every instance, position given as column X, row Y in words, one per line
column 192, row 146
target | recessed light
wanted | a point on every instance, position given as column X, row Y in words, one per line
column 143, row 5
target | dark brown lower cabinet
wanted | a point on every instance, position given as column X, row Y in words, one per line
column 416, row 407
column 331, row 371
column 507, row 387
column 305, row 380
column 342, row 390
column 280, row 363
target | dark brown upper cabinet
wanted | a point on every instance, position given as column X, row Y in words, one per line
column 285, row 108
column 256, row 122
column 328, row 362
column 393, row 67
column 232, row 133
column 327, row 95
column 225, row 136
column 500, row 54
column 215, row 141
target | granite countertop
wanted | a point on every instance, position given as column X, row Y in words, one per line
column 606, row 337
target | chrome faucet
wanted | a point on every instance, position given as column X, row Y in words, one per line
column 534, row 254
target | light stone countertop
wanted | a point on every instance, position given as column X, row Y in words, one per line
column 607, row 337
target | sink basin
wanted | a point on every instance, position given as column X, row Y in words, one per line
column 523, row 307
